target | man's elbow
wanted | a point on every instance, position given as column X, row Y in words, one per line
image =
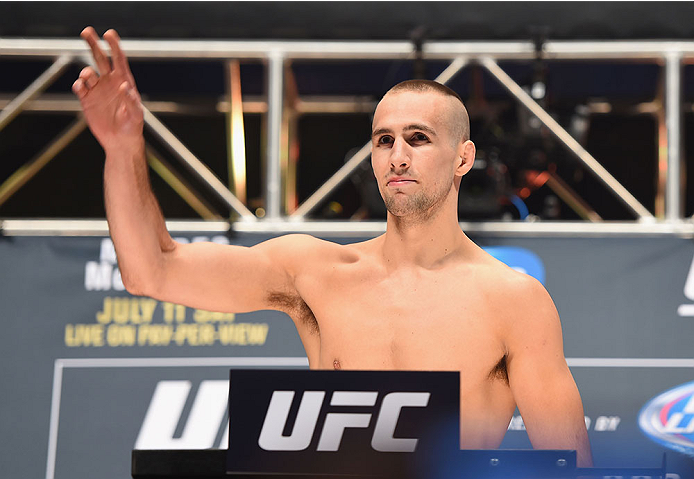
column 135, row 285
column 140, row 283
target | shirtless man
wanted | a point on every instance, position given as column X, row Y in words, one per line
column 428, row 297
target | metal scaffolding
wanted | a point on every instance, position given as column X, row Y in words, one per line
column 276, row 55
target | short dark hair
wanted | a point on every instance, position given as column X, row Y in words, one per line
column 463, row 120
column 424, row 85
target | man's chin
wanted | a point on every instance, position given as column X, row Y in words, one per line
column 404, row 211
column 397, row 208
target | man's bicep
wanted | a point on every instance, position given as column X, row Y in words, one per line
column 550, row 405
column 540, row 380
column 537, row 370
column 534, row 337
column 226, row 278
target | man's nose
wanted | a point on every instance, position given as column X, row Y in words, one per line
column 400, row 154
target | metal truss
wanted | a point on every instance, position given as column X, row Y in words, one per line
column 282, row 104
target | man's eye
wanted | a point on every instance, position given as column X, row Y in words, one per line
column 419, row 137
column 385, row 140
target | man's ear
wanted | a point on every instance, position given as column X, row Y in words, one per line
column 466, row 157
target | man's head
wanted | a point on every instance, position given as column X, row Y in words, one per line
column 420, row 147
column 458, row 120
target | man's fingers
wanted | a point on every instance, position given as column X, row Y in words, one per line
column 120, row 62
column 102, row 61
column 79, row 89
column 130, row 93
column 89, row 76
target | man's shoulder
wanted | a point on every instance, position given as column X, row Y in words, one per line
column 502, row 278
column 297, row 241
column 308, row 250
column 310, row 243
column 517, row 296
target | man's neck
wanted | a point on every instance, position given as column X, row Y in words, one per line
column 425, row 243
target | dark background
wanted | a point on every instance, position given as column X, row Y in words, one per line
column 623, row 140
column 352, row 20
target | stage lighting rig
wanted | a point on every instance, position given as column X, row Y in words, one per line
column 419, row 67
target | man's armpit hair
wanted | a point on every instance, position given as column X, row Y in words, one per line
column 296, row 307
column 499, row 371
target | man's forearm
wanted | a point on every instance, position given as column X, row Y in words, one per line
column 135, row 220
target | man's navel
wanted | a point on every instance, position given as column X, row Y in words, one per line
column 336, row 364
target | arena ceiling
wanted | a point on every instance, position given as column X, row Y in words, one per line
column 353, row 20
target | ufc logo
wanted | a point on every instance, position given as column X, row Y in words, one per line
column 271, row 438
column 203, row 424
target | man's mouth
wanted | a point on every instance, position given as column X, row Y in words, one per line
column 400, row 182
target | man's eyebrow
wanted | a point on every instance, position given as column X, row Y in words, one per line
column 413, row 126
column 419, row 126
column 380, row 131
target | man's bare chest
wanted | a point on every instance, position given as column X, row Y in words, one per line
column 426, row 321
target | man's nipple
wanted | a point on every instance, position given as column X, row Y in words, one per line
column 336, row 364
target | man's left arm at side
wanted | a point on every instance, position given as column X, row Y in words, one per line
column 540, row 380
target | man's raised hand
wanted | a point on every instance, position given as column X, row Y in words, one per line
column 109, row 99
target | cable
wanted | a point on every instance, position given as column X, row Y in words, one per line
column 520, row 205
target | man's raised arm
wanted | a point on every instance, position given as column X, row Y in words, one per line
column 542, row 385
column 202, row 275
